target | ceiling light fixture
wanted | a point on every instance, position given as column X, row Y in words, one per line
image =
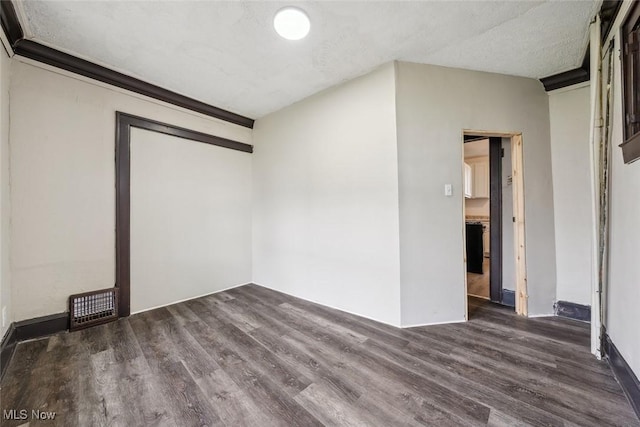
column 292, row 23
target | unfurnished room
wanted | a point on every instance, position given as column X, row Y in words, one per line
column 320, row 213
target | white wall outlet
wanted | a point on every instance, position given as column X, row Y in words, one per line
column 448, row 190
column 4, row 316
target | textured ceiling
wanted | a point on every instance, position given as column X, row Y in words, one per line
column 228, row 55
column 476, row 148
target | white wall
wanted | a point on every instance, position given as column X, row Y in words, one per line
column 623, row 298
column 5, row 211
column 326, row 198
column 508, row 243
column 569, row 123
column 63, row 181
column 190, row 219
column 434, row 105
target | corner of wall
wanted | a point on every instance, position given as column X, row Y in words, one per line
column 396, row 66
column 569, row 126
column 6, row 290
column 326, row 196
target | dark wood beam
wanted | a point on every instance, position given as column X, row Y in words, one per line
column 608, row 13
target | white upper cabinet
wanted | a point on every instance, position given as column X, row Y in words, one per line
column 476, row 178
column 481, row 179
column 468, row 181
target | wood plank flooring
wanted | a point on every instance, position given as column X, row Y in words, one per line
column 252, row 356
column 478, row 285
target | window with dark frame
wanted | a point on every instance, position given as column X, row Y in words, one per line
column 631, row 85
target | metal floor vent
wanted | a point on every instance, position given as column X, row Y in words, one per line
column 93, row 308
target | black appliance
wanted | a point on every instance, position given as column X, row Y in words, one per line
column 475, row 247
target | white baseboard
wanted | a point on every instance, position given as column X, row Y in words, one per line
column 433, row 324
column 540, row 315
column 190, row 298
column 329, row 306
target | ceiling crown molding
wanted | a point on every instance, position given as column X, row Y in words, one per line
column 608, row 13
column 47, row 55
column 10, row 23
column 568, row 78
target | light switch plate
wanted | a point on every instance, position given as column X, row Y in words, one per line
column 448, row 190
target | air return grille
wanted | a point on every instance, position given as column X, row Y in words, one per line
column 93, row 308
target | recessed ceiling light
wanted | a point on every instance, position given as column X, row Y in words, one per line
column 292, row 23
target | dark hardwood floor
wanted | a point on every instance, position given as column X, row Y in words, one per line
column 251, row 356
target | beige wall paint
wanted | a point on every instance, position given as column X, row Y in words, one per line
column 5, row 189
column 623, row 296
column 341, row 202
column 570, row 153
column 434, row 105
column 326, row 198
column 477, row 207
column 63, row 180
column 190, row 219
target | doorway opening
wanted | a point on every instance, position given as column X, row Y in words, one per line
column 493, row 227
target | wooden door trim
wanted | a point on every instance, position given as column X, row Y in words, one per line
column 517, row 173
column 124, row 123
